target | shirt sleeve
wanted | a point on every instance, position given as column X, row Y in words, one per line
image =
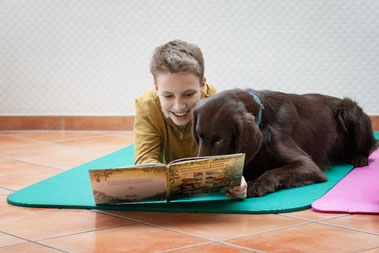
column 147, row 137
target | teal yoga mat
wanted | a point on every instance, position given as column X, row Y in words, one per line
column 72, row 189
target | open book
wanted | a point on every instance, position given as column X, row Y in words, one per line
column 183, row 178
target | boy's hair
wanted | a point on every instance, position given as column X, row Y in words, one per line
column 177, row 57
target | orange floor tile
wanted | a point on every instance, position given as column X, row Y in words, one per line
column 31, row 156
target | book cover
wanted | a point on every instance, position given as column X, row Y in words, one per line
column 183, row 178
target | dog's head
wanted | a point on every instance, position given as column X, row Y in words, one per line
column 222, row 125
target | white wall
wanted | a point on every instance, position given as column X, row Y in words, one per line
column 91, row 57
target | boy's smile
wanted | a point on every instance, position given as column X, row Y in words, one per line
column 178, row 95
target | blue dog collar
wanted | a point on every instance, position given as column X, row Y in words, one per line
column 261, row 107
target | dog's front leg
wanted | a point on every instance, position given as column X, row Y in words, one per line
column 297, row 173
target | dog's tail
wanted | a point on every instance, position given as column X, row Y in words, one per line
column 357, row 126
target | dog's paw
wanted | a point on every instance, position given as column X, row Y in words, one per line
column 258, row 188
column 359, row 161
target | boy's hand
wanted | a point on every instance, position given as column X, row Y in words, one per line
column 238, row 192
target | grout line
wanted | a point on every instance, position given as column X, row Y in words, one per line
column 59, row 143
column 32, row 163
column 293, row 217
column 114, row 215
column 333, row 218
column 348, row 228
column 21, row 138
column 16, row 236
column 365, row 250
column 12, row 245
column 241, row 247
column 132, row 219
column 321, row 222
column 85, row 232
column 164, row 228
column 9, row 189
column 25, row 214
column 208, row 243
column 186, row 247
column 116, row 133
column 266, row 231
column 26, row 242
column 2, row 187
column 51, row 142
column 48, row 246
column 176, row 231
column 40, row 244
column 305, row 219
column 26, row 145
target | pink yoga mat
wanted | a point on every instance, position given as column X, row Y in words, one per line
column 358, row 192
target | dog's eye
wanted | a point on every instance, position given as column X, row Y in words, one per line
column 219, row 141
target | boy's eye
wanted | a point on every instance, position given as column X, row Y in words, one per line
column 167, row 96
column 189, row 95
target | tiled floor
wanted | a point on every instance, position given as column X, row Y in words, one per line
column 29, row 157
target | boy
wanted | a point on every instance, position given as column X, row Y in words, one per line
column 162, row 124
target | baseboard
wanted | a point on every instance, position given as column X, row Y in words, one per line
column 375, row 122
column 67, row 123
column 84, row 123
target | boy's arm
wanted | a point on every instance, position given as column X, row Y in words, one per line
column 146, row 137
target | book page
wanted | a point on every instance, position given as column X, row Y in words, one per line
column 195, row 158
column 129, row 184
column 206, row 176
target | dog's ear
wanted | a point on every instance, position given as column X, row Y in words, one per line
column 194, row 124
column 248, row 137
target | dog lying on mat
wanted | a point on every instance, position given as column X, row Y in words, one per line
column 288, row 139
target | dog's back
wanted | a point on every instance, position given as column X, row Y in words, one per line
column 327, row 128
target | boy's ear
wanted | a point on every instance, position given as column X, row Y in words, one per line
column 202, row 85
column 155, row 86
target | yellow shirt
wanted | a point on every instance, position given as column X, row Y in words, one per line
column 157, row 138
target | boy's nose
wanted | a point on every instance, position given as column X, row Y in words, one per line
column 178, row 104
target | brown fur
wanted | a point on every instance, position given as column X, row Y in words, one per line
column 298, row 138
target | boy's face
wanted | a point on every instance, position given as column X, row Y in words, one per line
column 178, row 94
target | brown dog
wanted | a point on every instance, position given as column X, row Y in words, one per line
column 289, row 139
